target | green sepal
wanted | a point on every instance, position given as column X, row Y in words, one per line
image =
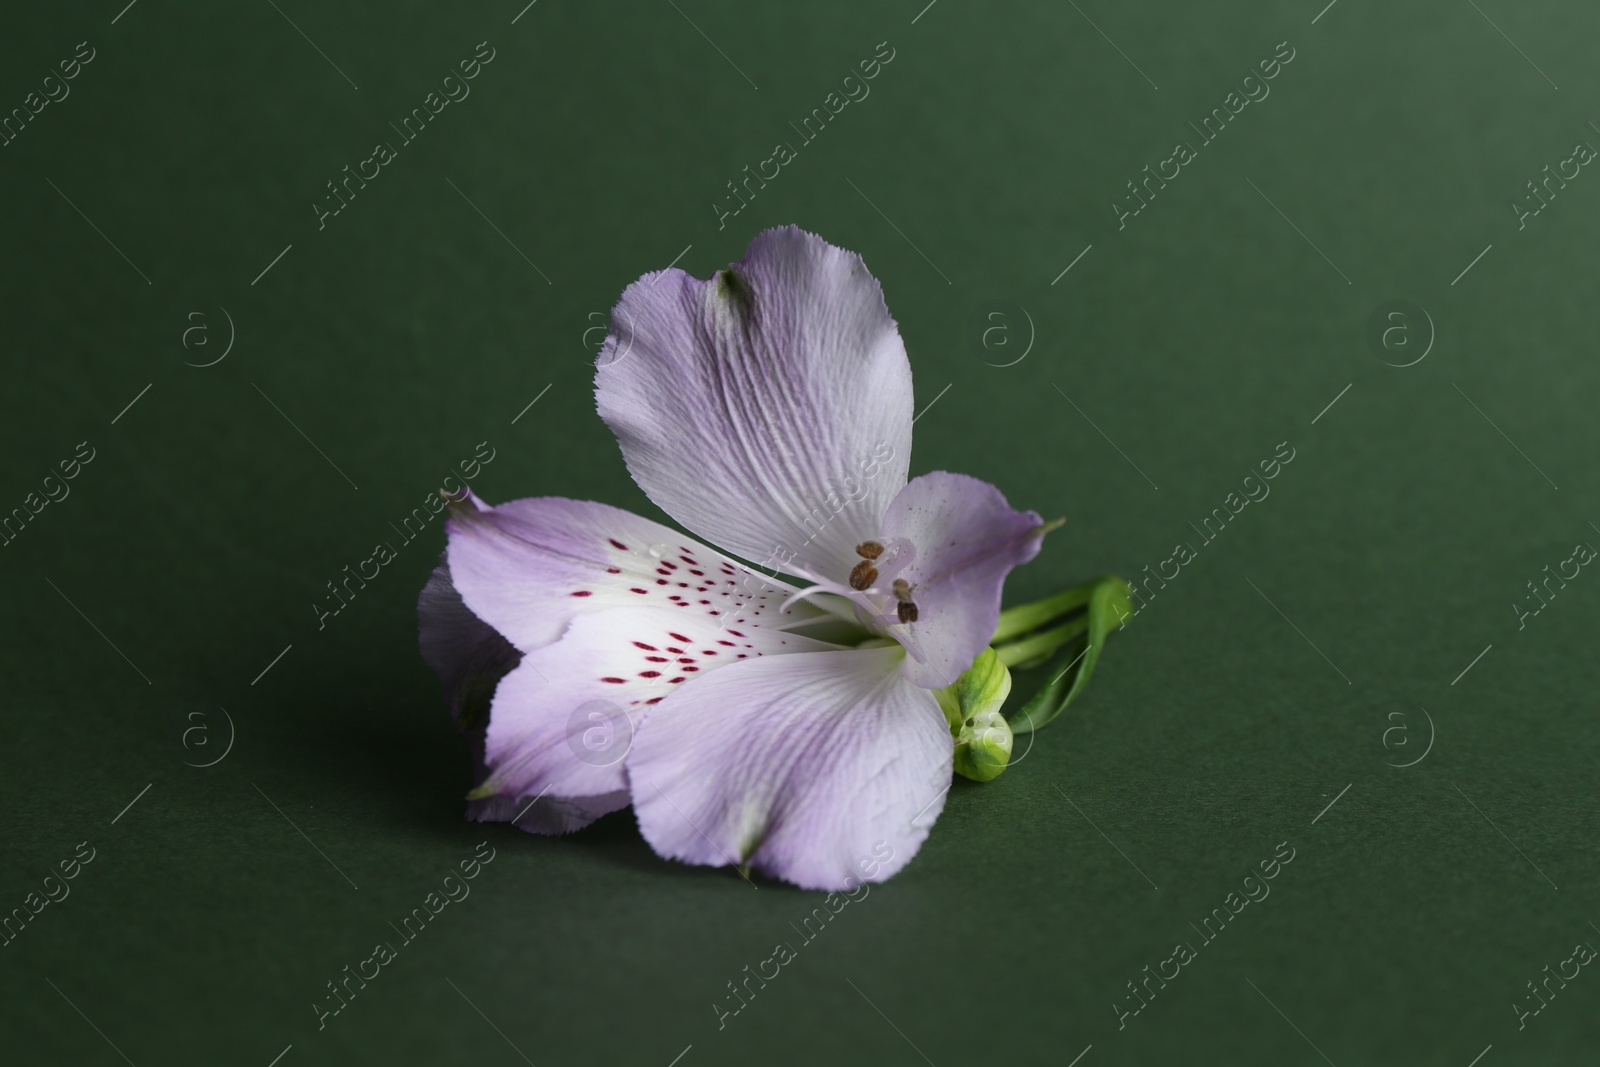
column 983, row 749
column 1108, row 605
column 972, row 708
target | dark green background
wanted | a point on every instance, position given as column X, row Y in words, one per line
column 1197, row 339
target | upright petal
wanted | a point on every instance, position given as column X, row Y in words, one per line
column 529, row 567
column 562, row 723
column 769, row 409
column 825, row 770
column 965, row 539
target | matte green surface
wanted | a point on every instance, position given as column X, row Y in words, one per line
column 1197, row 338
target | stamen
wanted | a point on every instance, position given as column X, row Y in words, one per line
column 862, row 575
column 869, row 550
column 802, row 594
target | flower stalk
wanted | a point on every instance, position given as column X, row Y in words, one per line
column 1036, row 647
column 1083, row 617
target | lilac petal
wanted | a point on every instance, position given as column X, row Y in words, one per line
column 529, row 567
column 469, row 657
column 562, row 723
column 966, row 539
column 467, row 654
column 769, row 409
column 825, row 770
column 546, row 814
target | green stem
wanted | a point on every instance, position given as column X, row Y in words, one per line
column 1025, row 617
column 1043, row 643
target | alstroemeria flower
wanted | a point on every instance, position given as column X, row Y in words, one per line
column 789, row 727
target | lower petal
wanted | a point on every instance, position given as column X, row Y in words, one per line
column 825, row 769
column 562, row 723
column 469, row 656
column 546, row 814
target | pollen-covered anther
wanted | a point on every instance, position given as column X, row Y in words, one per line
column 862, row 575
column 906, row 610
column 869, row 550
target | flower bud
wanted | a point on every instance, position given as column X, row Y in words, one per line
column 972, row 707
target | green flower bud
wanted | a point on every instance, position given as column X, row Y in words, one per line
column 983, row 747
column 972, row 707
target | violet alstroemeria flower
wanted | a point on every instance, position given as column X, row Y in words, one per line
column 789, row 728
